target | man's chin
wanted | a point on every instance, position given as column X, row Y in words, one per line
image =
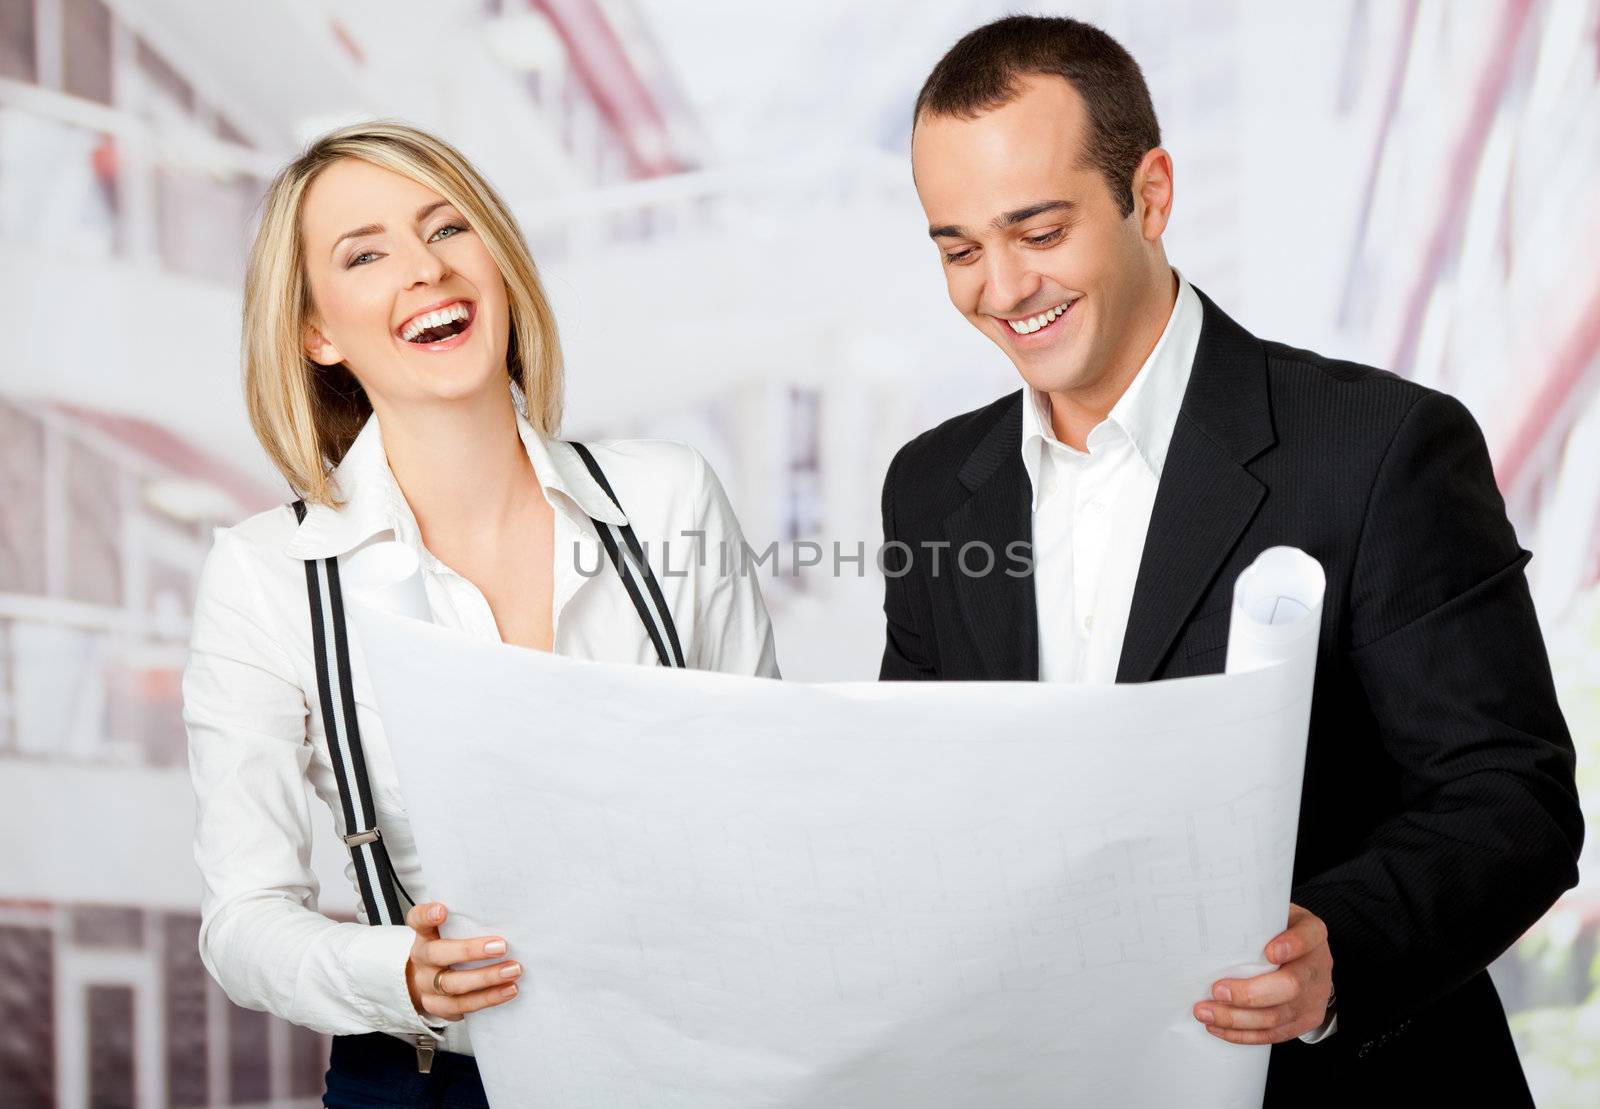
column 1049, row 371
column 1049, row 379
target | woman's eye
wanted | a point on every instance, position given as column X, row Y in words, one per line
column 449, row 230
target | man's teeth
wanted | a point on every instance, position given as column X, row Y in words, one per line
column 1034, row 323
column 443, row 316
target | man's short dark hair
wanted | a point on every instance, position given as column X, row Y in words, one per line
column 982, row 72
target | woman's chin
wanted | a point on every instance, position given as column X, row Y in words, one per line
column 446, row 387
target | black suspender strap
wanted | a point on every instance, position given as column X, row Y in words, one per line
column 374, row 872
column 626, row 554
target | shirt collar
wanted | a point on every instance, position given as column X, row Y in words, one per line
column 375, row 504
column 1147, row 411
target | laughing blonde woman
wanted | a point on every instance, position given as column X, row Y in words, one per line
column 402, row 371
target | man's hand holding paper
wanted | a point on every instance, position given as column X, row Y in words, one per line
column 1282, row 1004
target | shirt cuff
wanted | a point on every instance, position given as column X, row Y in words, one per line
column 377, row 973
column 1322, row 1032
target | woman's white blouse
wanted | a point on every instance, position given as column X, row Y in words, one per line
column 256, row 738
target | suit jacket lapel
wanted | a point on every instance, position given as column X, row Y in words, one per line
column 998, row 608
column 1207, row 497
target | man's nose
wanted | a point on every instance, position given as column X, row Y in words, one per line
column 1011, row 284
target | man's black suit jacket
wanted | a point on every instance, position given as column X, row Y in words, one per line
column 1440, row 817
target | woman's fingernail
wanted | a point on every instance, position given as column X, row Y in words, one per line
column 495, row 947
column 436, row 914
column 509, row 991
column 510, row 970
column 1280, row 951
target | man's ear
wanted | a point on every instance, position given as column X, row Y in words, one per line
column 1152, row 188
column 319, row 348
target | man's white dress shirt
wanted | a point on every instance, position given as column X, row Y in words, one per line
column 1091, row 508
column 257, row 750
column 1091, row 511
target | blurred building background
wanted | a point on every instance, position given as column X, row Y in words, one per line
column 719, row 198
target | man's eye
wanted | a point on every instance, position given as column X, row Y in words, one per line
column 956, row 257
column 1043, row 240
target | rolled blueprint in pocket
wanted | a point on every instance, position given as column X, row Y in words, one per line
column 1277, row 613
column 734, row 892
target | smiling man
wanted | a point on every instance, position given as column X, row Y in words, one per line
column 1155, row 450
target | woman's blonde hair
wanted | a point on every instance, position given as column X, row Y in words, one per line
column 307, row 415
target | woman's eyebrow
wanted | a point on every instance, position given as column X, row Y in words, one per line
column 376, row 228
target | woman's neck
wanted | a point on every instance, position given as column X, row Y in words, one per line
column 462, row 468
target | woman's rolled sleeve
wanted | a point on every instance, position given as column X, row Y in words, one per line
column 260, row 934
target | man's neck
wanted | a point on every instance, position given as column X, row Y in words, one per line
column 1074, row 413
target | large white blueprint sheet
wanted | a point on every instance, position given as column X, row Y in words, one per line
column 734, row 892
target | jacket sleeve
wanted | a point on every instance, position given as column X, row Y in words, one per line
column 260, row 934
column 907, row 654
column 1445, row 644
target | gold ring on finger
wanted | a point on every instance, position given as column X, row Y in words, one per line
column 437, row 986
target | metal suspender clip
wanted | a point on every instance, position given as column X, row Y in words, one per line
column 375, row 872
column 425, row 1050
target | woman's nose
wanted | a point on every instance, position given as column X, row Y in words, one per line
column 424, row 267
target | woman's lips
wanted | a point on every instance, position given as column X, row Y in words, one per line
column 452, row 342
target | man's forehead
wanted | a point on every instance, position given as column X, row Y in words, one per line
column 1002, row 159
column 984, row 194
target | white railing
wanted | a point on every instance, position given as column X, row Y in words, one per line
column 49, row 185
column 662, row 207
column 187, row 149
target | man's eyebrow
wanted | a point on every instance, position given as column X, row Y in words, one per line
column 1020, row 215
column 376, row 228
column 1004, row 220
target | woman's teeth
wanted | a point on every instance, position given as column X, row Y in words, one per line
column 1034, row 323
column 444, row 317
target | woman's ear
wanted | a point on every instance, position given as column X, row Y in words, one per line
column 319, row 348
